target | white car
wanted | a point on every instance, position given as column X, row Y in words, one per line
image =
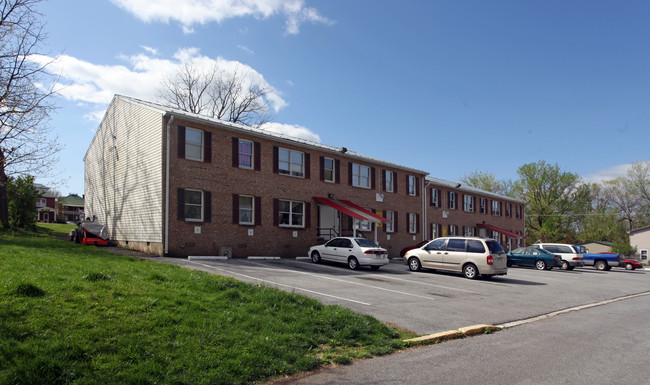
column 571, row 256
column 468, row 255
column 353, row 251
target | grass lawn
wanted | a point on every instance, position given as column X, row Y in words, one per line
column 71, row 313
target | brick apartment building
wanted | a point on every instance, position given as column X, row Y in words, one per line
column 174, row 183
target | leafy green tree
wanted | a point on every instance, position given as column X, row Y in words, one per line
column 487, row 181
column 22, row 195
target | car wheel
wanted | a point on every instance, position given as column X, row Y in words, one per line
column 470, row 271
column 571, row 268
column 414, row 264
column 540, row 265
column 565, row 265
column 600, row 265
column 629, row 266
column 315, row 257
column 353, row 263
column 375, row 267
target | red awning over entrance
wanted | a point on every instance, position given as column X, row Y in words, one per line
column 500, row 230
column 351, row 209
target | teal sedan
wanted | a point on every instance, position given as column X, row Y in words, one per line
column 534, row 256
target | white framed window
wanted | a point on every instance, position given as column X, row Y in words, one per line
column 468, row 203
column 390, row 215
column 246, row 210
column 41, row 202
column 245, row 148
column 435, row 197
column 508, row 210
column 412, row 185
column 329, row 170
column 291, row 162
column 452, row 230
column 518, row 211
column 360, row 175
column 484, row 206
column 291, row 213
column 468, row 231
column 644, row 255
column 413, row 223
column 435, row 231
column 452, row 200
column 194, row 144
column 362, row 225
column 388, row 176
column 193, row 205
column 496, row 208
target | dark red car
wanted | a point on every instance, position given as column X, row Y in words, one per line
column 404, row 250
column 631, row 264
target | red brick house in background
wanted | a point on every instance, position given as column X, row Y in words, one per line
column 175, row 183
column 45, row 205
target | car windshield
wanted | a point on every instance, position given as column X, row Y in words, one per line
column 494, row 246
column 364, row 242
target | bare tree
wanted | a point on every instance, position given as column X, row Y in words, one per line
column 217, row 93
column 25, row 106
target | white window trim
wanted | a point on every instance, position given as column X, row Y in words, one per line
column 388, row 175
column 390, row 215
column 496, row 208
column 202, row 205
column 357, row 175
column 434, row 197
column 290, row 212
column 452, row 200
column 291, row 163
column 468, row 203
column 252, row 210
column 333, row 169
column 252, row 154
column 201, row 146
column 412, row 188
column 413, row 223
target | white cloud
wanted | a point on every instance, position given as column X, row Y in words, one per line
column 151, row 50
column 291, row 130
column 246, row 49
column 191, row 12
column 609, row 173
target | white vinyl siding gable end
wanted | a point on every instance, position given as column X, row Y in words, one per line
column 124, row 172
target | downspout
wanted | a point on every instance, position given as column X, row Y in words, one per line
column 167, row 161
column 424, row 208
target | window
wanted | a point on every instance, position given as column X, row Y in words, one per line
column 452, row 200
column 291, row 162
column 456, row 245
column 468, row 203
column 435, row 197
column 362, row 225
column 508, row 210
column 245, row 153
column 496, row 208
column 644, row 255
column 193, row 144
column 413, row 223
column 329, row 170
column 246, row 210
column 518, row 211
column 453, row 230
column 483, row 206
column 468, row 231
column 41, row 202
column 475, row 246
column 193, row 205
column 389, row 181
column 390, row 215
column 291, row 213
column 412, row 183
column 435, row 230
column 360, row 175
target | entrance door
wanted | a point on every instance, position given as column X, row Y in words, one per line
column 329, row 222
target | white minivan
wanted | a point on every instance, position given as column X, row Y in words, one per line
column 571, row 255
column 468, row 255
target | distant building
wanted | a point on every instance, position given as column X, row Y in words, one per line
column 45, row 204
column 640, row 238
column 72, row 208
column 598, row 247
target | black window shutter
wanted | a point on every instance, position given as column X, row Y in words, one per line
column 338, row 171
column 207, row 210
column 276, row 159
column 307, row 166
column 322, row 168
column 383, row 180
column 257, row 146
column 372, row 178
column 350, row 173
column 417, row 223
column 407, row 185
column 307, row 215
column 180, row 192
column 235, row 208
column 207, row 148
column 258, row 211
column 181, row 141
column 395, row 217
column 417, row 186
column 235, row 152
column 276, row 211
column 395, row 182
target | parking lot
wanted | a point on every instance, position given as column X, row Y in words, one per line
column 429, row 302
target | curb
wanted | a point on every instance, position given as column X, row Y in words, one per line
column 468, row 331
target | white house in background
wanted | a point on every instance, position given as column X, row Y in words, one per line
column 640, row 238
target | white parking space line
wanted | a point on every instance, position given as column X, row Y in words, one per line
column 352, row 283
column 278, row 284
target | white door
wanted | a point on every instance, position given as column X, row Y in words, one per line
column 329, row 222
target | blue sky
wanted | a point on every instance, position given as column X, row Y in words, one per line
column 449, row 87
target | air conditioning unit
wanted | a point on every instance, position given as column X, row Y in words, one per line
column 445, row 214
column 225, row 251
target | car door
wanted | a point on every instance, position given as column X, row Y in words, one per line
column 331, row 252
column 454, row 254
column 517, row 255
column 431, row 255
column 344, row 249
